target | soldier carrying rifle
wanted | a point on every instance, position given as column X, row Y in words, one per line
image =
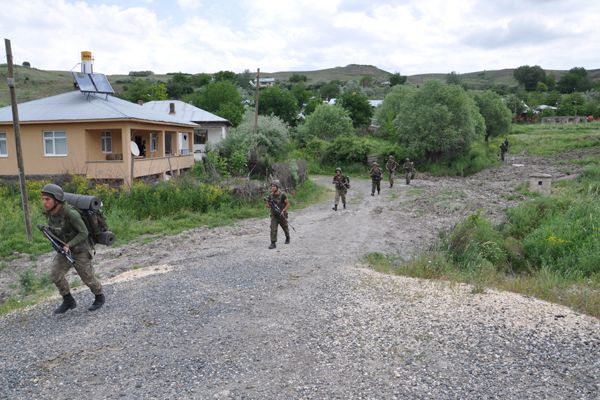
column 278, row 203
column 66, row 228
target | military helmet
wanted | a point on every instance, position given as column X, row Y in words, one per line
column 338, row 169
column 275, row 182
column 407, row 159
column 375, row 163
column 55, row 191
column 391, row 157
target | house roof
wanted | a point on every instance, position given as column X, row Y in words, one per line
column 185, row 111
column 77, row 106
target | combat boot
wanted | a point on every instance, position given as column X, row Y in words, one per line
column 334, row 207
column 344, row 206
column 98, row 302
column 273, row 245
column 67, row 304
column 287, row 240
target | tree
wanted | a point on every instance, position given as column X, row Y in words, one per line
column 438, row 122
column 143, row 90
column 453, row 78
column 200, row 80
column 296, row 78
column 389, row 109
column 278, row 102
column 271, row 138
column 497, row 116
column 397, row 79
column 26, row 64
column 244, row 79
column 576, row 80
column 529, row 76
column 226, row 76
column 221, row 98
column 571, row 104
column 330, row 90
column 300, row 93
column 326, row 122
column 179, row 85
column 358, row 106
column 312, row 104
column 366, row 81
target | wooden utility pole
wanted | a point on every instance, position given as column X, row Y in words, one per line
column 256, row 101
column 15, row 112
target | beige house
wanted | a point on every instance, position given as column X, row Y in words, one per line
column 94, row 135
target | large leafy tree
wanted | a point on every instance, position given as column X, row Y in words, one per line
column 389, row 109
column 226, row 76
column 179, row 85
column 326, row 122
column 279, row 102
column 397, row 79
column 529, row 76
column 358, row 106
column 143, row 90
column 330, row 90
column 221, row 98
column 438, row 122
column 496, row 114
column 576, row 80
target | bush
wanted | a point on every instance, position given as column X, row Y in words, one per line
column 346, row 149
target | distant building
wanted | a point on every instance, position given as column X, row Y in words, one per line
column 210, row 129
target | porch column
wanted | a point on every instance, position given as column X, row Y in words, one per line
column 128, row 158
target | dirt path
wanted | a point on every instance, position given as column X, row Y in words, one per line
column 214, row 314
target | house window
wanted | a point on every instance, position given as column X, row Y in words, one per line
column 200, row 136
column 153, row 142
column 106, row 140
column 55, row 143
column 3, row 146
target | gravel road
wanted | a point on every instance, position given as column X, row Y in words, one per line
column 213, row 314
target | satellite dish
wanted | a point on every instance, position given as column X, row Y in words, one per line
column 134, row 148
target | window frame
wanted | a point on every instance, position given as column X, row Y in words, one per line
column 54, row 154
column 4, row 138
column 106, row 138
column 153, row 142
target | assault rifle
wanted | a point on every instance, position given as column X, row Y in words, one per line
column 278, row 212
column 56, row 243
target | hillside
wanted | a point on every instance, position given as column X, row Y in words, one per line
column 34, row 83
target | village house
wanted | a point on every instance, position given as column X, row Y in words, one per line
column 210, row 129
column 94, row 135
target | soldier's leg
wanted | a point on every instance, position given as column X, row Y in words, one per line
column 58, row 269
column 378, row 186
column 343, row 195
column 373, row 184
column 85, row 270
column 286, row 229
column 274, row 226
column 337, row 199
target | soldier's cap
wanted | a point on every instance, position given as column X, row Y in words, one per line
column 276, row 183
column 375, row 163
column 338, row 169
column 391, row 156
column 407, row 159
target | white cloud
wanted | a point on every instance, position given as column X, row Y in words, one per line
column 406, row 36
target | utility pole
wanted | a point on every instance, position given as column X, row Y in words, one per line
column 15, row 112
column 256, row 101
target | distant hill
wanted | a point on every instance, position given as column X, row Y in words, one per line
column 34, row 83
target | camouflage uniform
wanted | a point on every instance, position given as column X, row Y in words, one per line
column 409, row 170
column 342, row 183
column 375, row 174
column 503, row 149
column 69, row 227
column 279, row 199
column 391, row 167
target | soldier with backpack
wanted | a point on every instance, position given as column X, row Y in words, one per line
column 375, row 174
column 68, row 228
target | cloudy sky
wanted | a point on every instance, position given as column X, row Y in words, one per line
column 406, row 36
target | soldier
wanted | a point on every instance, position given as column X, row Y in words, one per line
column 67, row 225
column 342, row 184
column 279, row 204
column 408, row 167
column 375, row 174
column 391, row 167
column 503, row 149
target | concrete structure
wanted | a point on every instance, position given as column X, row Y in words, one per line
column 90, row 135
column 568, row 119
column 210, row 129
column 540, row 183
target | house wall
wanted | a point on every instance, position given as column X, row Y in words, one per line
column 84, row 154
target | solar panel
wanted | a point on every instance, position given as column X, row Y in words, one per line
column 84, row 82
column 102, row 84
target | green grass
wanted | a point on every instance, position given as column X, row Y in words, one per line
column 544, row 140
